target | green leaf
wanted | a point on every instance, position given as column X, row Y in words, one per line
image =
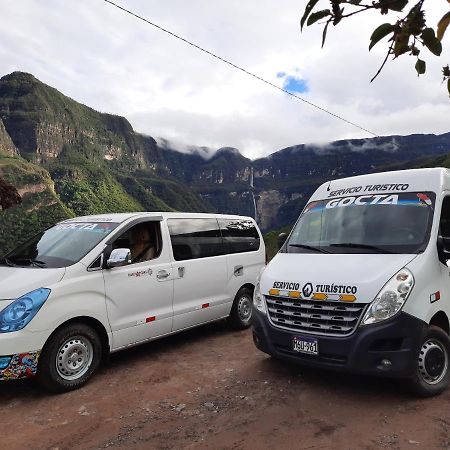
column 448, row 84
column 379, row 33
column 421, row 67
column 308, row 9
column 442, row 26
column 431, row 41
column 397, row 5
column 314, row 17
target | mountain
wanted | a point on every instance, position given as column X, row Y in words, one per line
column 63, row 159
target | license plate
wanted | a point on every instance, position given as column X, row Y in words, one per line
column 307, row 345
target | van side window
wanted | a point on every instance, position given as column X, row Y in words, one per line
column 143, row 240
column 445, row 218
column 195, row 238
column 239, row 235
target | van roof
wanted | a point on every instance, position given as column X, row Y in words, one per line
column 122, row 217
column 434, row 179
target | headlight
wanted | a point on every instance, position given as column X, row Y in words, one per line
column 391, row 298
column 258, row 300
column 20, row 312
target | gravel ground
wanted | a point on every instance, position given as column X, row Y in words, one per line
column 211, row 388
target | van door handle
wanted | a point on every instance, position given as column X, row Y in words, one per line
column 181, row 272
column 162, row 274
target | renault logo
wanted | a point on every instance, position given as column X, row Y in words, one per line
column 307, row 290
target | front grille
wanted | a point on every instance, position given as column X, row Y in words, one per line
column 314, row 316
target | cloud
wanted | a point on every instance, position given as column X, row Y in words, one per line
column 359, row 146
column 109, row 60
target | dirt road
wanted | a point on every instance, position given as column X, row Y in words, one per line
column 210, row 388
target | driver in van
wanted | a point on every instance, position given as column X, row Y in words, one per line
column 143, row 244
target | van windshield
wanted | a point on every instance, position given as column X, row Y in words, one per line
column 59, row 246
column 385, row 223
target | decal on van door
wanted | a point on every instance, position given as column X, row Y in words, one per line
column 140, row 273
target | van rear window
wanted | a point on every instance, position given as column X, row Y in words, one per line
column 202, row 238
column 239, row 235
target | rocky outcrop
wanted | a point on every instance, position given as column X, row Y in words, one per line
column 7, row 147
column 9, row 196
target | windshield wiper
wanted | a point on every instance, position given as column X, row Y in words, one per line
column 357, row 245
column 30, row 261
column 309, row 247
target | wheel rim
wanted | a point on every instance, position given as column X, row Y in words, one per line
column 433, row 361
column 245, row 308
column 74, row 358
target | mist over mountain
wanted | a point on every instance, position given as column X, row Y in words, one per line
column 64, row 159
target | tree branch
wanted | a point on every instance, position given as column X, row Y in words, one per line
column 385, row 61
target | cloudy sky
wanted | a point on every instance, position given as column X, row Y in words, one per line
column 114, row 63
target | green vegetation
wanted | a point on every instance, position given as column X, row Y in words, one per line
column 40, row 206
column 271, row 241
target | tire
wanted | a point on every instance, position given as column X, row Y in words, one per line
column 242, row 309
column 432, row 372
column 58, row 370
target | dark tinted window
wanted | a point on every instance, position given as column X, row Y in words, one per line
column 239, row 235
column 445, row 218
column 195, row 238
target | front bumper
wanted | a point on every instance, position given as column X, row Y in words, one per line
column 23, row 347
column 397, row 340
column 22, row 365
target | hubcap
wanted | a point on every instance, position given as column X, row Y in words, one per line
column 74, row 358
column 245, row 308
column 433, row 361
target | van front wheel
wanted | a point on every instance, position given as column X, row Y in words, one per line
column 69, row 358
column 432, row 374
column 242, row 309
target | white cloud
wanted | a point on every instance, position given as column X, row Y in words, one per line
column 115, row 63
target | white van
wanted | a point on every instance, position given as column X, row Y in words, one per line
column 98, row 284
column 362, row 283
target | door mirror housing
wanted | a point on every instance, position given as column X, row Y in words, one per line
column 281, row 239
column 119, row 257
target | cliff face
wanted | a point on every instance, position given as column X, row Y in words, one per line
column 7, row 147
column 60, row 154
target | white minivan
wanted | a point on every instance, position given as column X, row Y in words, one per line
column 362, row 283
column 97, row 284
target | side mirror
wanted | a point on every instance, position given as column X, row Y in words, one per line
column 443, row 246
column 281, row 239
column 119, row 257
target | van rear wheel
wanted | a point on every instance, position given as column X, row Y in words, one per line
column 242, row 309
column 432, row 374
column 69, row 358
